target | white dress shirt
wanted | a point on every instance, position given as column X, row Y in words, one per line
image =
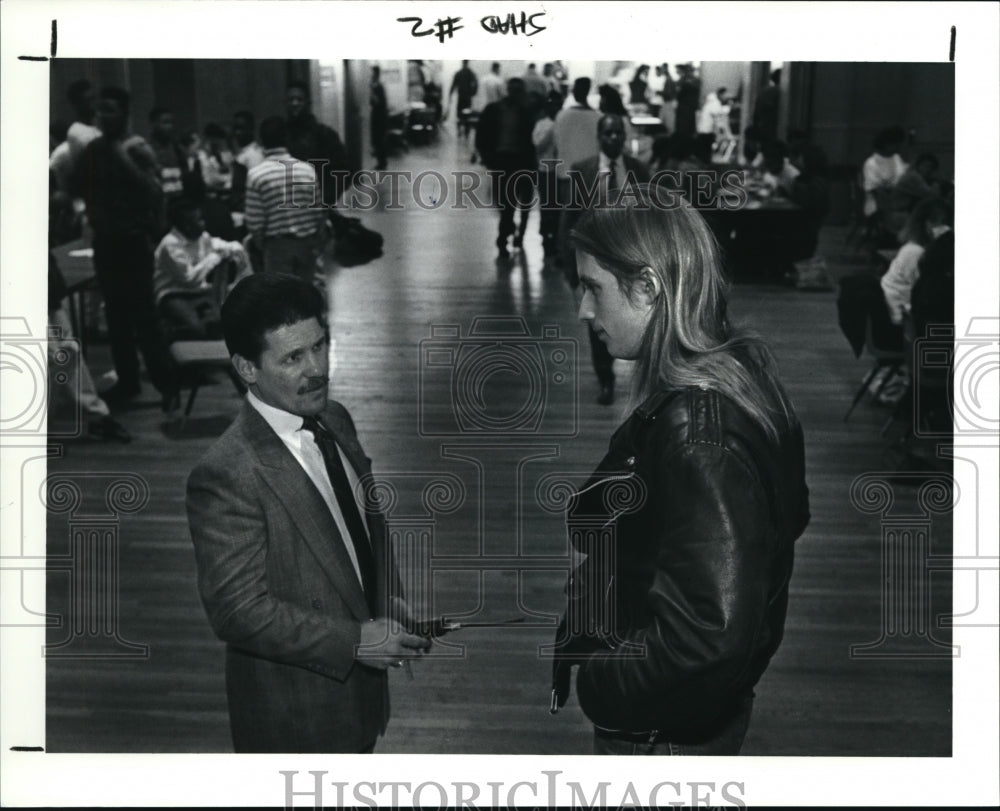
column 303, row 447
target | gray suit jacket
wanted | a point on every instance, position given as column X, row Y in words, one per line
column 280, row 589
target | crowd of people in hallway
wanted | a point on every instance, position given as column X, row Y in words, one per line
column 175, row 220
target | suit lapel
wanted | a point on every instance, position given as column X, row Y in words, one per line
column 293, row 488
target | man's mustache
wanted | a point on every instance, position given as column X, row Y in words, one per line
column 315, row 383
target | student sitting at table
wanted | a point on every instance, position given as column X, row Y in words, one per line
column 916, row 184
column 779, row 173
column 882, row 169
column 811, row 192
column 186, row 299
column 925, row 224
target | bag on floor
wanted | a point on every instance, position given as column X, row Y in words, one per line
column 353, row 243
column 811, row 275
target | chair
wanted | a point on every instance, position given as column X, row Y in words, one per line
column 196, row 360
column 864, row 320
column 891, row 359
column 876, row 232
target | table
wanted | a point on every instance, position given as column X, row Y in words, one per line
column 76, row 263
column 762, row 238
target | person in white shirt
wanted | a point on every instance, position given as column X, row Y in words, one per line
column 184, row 262
column 779, row 173
column 492, row 88
column 883, row 168
column 925, row 224
column 249, row 152
column 714, row 115
column 82, row 131
column 573, row 130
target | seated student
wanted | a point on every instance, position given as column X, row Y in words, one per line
column 185, row 297
column 753, row 143
column 779, row 173
column 811, row 191
column 925, row 224
column 883, row 169
column 916, row 184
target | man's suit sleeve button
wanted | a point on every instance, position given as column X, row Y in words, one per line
column 317, row 604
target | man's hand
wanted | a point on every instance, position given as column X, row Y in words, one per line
column 385, row 643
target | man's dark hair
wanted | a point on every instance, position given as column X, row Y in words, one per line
column 581, row 88
column 181, row 207
column 775, row 150
column 776, row 76
column 77, row 90
column 273, row 132
column 495, row 67
column 213, row 130
column 156, row 112
column 609, row 118
column 58, row 129
column 298, row 84
column 263, row 302
column 927, row 157
column 515, row 86
column 117, row 95
column 888, row 137
column 720, row 91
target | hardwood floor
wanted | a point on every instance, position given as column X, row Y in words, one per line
column 439, row 270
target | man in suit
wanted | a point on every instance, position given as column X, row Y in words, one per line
column 607, row 174
column 300, row 586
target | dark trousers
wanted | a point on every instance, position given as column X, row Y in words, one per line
column 380, row 130
column 549, row 211
column 514, row 190
column 124, row 266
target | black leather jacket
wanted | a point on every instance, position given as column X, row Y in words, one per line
column 688, row 524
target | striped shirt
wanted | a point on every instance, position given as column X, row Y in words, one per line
column 283, row 197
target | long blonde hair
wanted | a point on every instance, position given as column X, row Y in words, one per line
column 689, row 340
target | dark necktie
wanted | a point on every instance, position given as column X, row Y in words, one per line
column 348, row 506
column 612, row 177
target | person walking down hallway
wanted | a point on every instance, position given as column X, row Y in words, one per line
column 543, row 137
column 492, row 86
column 464, row 86
column 287, row 233
column 596, row 181
column 309, row 140
column 503, row 140
column 379, row 122
column 688, row 99
column 117, row 178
